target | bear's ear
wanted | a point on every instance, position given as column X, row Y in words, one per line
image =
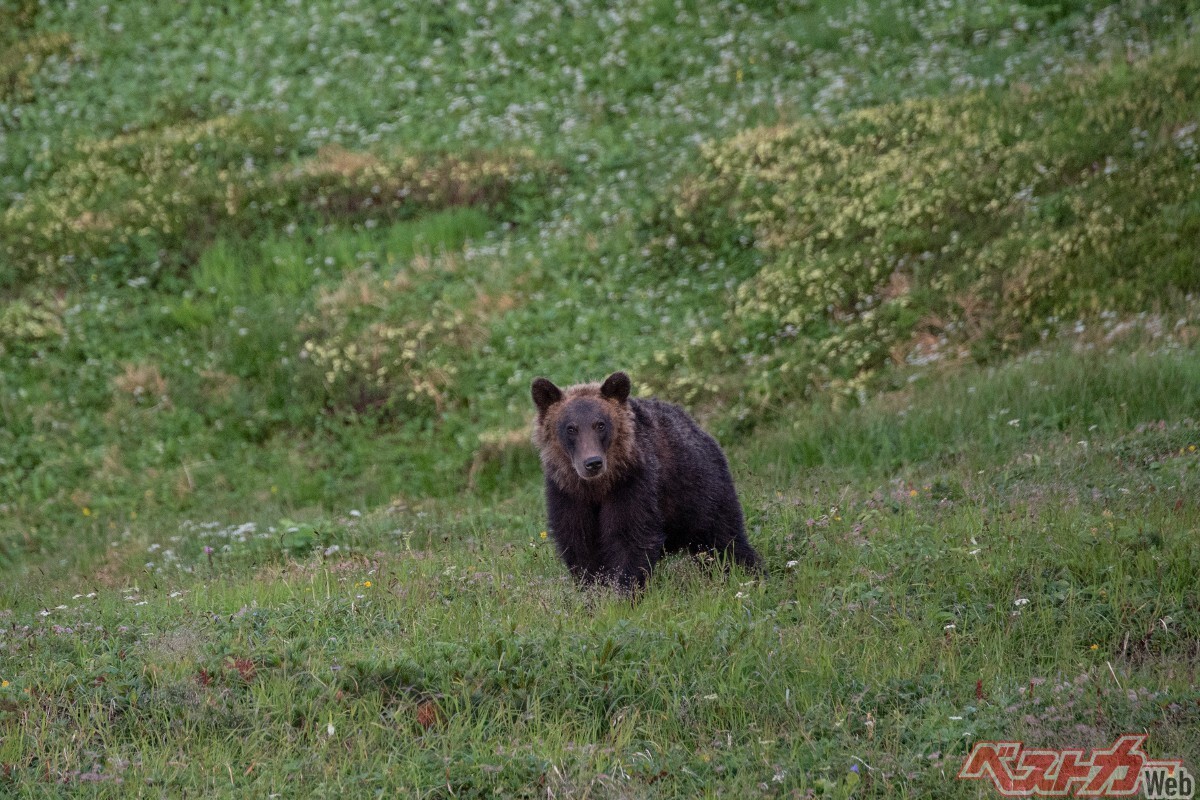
column 616, row 387
column 545, row 394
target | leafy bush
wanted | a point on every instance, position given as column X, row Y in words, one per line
column 975, row 216
column 393, row 343
column 30, row 321
column 21, row 61
column 141, row 204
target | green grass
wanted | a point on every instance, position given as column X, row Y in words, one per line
column 1051, row 560
column 274, row 283
column 236, row 271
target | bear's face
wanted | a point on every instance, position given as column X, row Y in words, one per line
column 584, row 431
column 583, row 424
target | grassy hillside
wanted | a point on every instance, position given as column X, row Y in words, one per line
column 274, row 280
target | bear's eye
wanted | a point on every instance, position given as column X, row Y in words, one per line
column 600, row 427
column 571, row 429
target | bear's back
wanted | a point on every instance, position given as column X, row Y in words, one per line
column 692, row 474
column 672, row 431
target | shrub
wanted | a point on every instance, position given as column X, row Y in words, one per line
column 22, row 60
column 30, row 321
column 147, row 203
column 393, row 343
column 976, row 216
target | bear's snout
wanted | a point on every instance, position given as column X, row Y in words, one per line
column 589, row 466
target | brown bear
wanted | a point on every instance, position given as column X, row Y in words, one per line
column 630, row 479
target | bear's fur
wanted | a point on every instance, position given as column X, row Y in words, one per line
column 630, row 479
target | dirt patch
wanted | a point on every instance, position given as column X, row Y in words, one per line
column 141, row 383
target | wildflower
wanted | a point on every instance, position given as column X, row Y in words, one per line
column 1094, row 647
column 913, row 492
column 3, row 684
column 542, row 534
column 1021, row 601
column 87, row 512
column 792, row 564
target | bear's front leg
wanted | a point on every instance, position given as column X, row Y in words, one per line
column 632, row 536
column 575, row 528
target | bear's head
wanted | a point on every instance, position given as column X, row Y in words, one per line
column 585, row 427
